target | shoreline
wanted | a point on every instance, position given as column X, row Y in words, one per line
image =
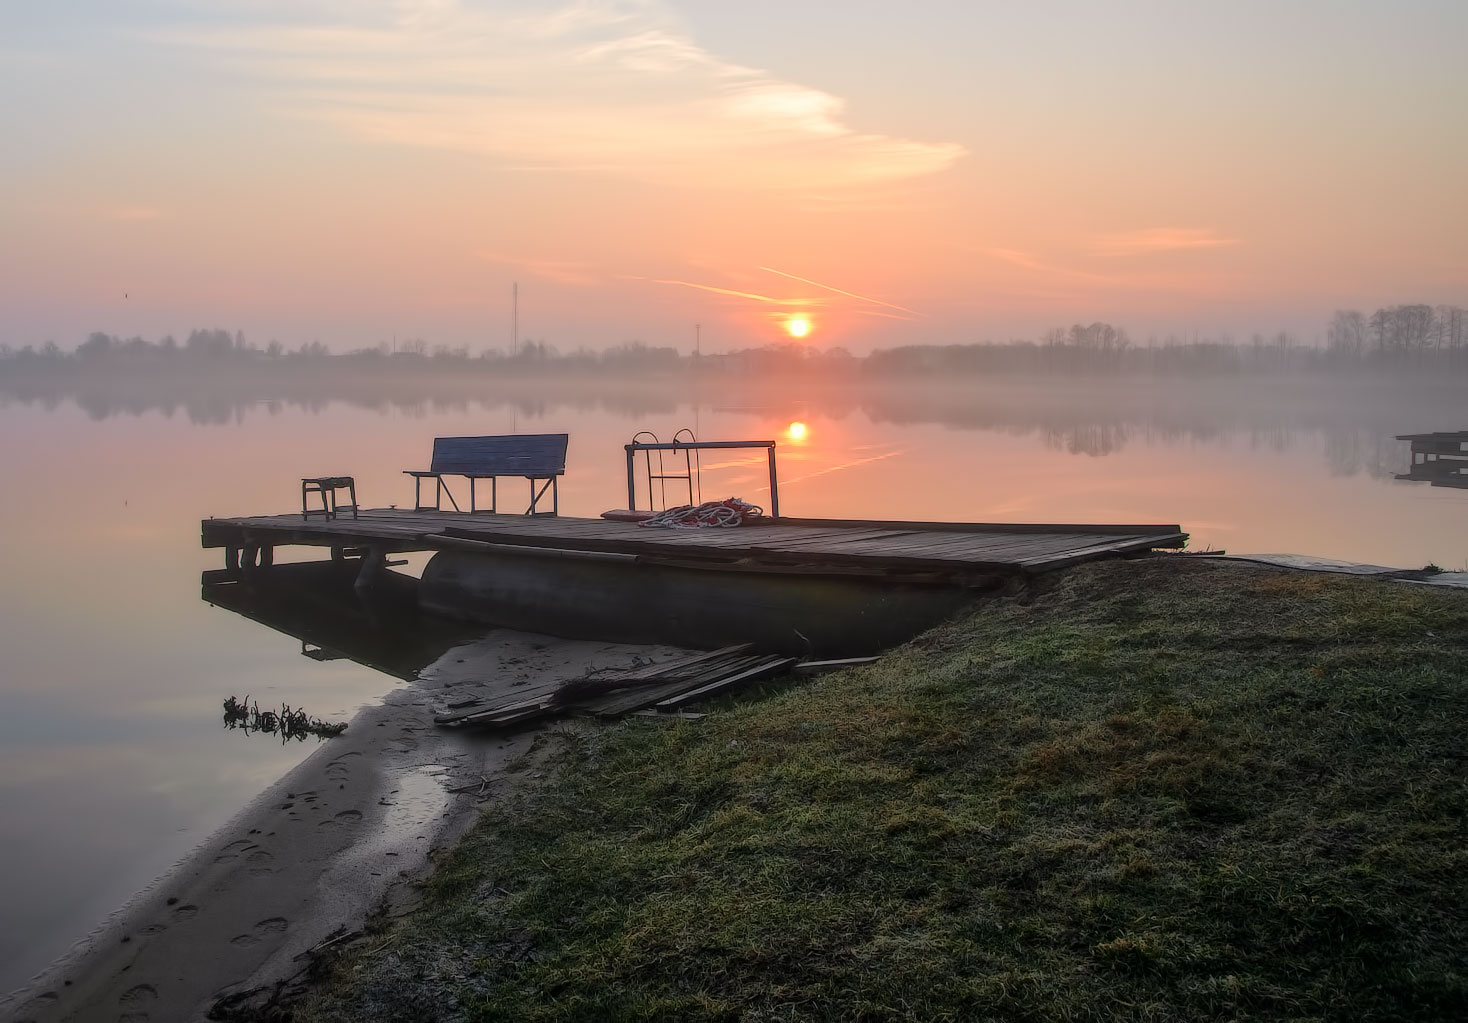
column 343, row 833
column 1179, row 783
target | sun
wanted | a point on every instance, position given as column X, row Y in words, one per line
column 797, row 326
column 796, row 431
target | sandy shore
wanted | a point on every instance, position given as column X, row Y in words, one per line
column 314, row 853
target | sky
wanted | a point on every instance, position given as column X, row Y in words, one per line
column 724, row 174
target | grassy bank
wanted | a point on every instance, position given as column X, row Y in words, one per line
column 1155, row 791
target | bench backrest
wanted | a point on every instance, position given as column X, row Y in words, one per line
column 531, row 454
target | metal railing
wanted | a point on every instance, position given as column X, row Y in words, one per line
column 687, row 447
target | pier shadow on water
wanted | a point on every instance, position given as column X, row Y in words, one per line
column 315, row 603
column 400, row 626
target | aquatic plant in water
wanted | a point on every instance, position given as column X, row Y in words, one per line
column 289, row 722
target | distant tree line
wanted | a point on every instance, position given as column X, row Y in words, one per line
column 1398, row 331
column 1402, row 338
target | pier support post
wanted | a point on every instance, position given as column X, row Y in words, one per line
column 254, row 557
column 374, row 563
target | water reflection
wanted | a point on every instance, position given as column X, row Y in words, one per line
column 315, row 603
column 1438, row 458
column 1358, row 419
column 110, row 765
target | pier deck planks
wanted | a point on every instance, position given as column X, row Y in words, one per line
column 855, row 545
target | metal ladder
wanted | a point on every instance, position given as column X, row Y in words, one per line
column 689, row 475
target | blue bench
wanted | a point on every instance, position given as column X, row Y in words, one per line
column 537, row 457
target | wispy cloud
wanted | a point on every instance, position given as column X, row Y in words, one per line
column 885, row 316
column 1160, row 239
column 563, row 271
column 1062, row 280
column 838, row 291
column 596, row 84
column 853, row 463
column 728, row 291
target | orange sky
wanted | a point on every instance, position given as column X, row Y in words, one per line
column 958, row 172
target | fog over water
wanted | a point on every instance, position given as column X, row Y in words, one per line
column 112, row 760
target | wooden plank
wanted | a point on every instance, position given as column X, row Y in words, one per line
column 741, row 536
column 678, row 663
column 820, row 667
column 964, row 543
column 489, row 547
column 851, row 546
column 824, row 538
column 765, row 669
column 935, row 559
column 1091, row 553
column 982, row 527
column 539, row 693
column 646, row 696
column 499, row 715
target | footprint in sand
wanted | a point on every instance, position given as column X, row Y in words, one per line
column 345, row 817
column 153, row 929
column 234, row 850
column 260, row 862
column 338, row 770
column 139, row 994
column 186, row 912
column 261, row 931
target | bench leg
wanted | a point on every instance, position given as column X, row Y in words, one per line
column 536, row 496
column 438, row 489
column 444, row 489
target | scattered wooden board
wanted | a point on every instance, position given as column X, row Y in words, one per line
column 819, row 667
column 632, row 688
column 635, row 699
column 767, row 667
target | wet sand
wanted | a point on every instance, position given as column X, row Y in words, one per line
column 315, row 853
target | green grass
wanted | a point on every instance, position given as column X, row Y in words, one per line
column 1157, row 791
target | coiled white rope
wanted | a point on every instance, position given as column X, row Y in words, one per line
column 730, row 512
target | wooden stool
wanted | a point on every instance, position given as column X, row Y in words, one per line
column 327, row 486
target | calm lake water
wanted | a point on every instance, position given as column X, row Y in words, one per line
column 113, row 763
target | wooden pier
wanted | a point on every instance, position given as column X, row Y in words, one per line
column 933, row 551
